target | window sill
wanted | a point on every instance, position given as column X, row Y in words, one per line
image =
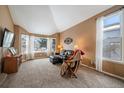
column 113, row 61
column 39, row 52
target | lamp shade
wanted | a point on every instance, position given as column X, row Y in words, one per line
column 75, row 46
column 59, row 46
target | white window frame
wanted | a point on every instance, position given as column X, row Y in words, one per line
column 121, row 12
column 27, row 44
column 55, row 42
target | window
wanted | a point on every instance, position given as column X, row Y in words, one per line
column 40, row 44
column 24, row 43
column 53, row 46
column 112, row 37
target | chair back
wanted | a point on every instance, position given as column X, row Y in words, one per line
column 77, row 56
column 76, row 61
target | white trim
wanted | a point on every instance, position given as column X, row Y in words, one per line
column 42, row 51
column 55, row 43
column 48, row 46
column 113, row 75
column 31, row 47
column 99, row 42
column 114, row 27
column 122, row 63
column 122, row 31
column 107, row 73
column 88, row 66
column 116, row 61
column 121, row 26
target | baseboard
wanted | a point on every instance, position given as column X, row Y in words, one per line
column 88, row 66
column 113, row 75
column 107, row 73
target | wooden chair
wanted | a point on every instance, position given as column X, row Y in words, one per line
column 70, row 66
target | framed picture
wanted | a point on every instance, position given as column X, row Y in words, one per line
column 68, row 40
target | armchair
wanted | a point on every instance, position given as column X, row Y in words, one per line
column 59, row 58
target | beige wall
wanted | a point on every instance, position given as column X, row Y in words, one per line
column 5, row 21
column 114, row 68
column 84, row 35
column 5, row 18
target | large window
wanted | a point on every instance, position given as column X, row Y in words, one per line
column 112, row 37
column 40, row 44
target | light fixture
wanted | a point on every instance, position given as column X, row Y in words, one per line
column 61, row 49
column 59, row 46
column 75, row 46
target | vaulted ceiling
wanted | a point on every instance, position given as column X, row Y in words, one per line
column 49, row 19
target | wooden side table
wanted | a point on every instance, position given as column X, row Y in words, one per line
column 11, row 64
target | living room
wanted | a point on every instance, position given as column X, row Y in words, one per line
column 33, row 38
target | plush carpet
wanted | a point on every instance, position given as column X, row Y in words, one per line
column 42, row 74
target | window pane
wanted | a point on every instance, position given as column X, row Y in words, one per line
column 40, row 44
column 53, row 46
column 113, row 20
column 112, row 45
column 24, row 43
